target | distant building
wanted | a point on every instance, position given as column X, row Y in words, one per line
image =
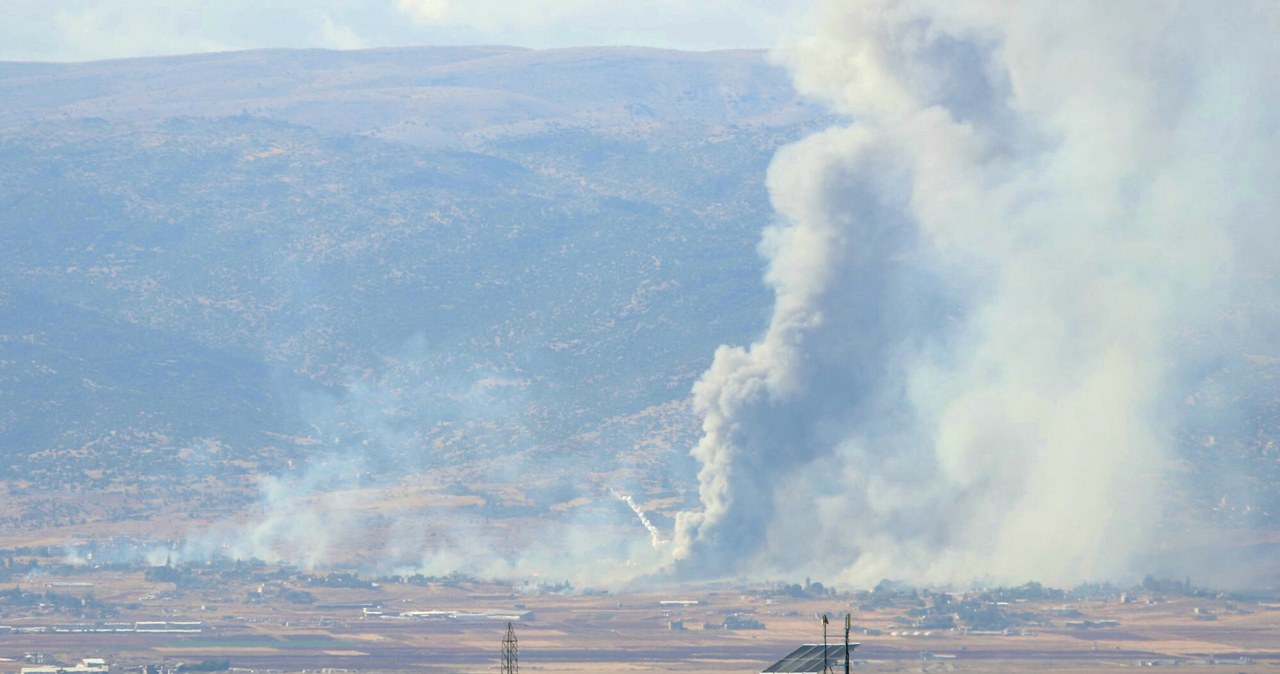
column 86, row 666
column 1090, row 624
column 455, row 615
column 735, row 622
column 170, row 627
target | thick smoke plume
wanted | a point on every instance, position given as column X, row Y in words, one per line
column 994, row 288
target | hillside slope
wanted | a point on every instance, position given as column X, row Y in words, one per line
column 392, row 261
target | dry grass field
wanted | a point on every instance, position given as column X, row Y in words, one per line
column 623, row 633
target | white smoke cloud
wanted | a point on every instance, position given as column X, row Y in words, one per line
column 426, row 11
column 378, row 491
column 982, row 287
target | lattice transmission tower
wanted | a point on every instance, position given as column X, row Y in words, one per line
column 510, row 652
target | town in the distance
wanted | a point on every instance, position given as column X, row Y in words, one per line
column 65, row 613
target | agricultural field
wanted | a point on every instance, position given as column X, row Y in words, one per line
column 260, row 618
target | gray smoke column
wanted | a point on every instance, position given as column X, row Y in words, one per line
column 984, row 285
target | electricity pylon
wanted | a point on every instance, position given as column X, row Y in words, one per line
column 510, row 654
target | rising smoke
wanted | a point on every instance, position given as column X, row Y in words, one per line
column 994, row 289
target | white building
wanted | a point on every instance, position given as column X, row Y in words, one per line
column 86, row 666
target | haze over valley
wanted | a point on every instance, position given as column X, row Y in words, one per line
column 369, row 284
column 916, row 296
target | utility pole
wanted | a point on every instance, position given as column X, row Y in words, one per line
column 848, row 623
column 826, row 666
column 510, row 656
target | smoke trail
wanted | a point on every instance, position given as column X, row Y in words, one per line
column 985, row 287
column 654, row 535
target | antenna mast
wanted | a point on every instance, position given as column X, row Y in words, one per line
column 510, row 656
column 848, row 624
column 826, row 665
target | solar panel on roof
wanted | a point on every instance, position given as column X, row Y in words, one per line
column 807, row 659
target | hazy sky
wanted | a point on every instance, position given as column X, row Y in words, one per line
column 75, row 30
